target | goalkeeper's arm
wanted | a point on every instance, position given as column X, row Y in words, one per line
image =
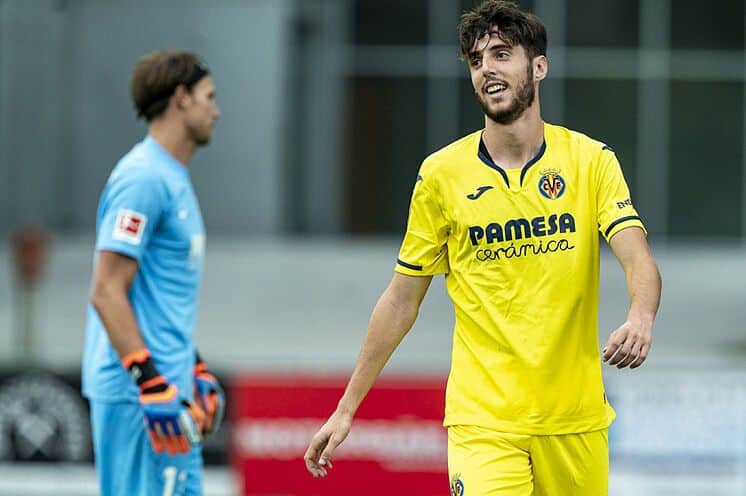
column 173, row 423
column 112, row 278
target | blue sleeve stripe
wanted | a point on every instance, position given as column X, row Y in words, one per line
column 409, row 266
column 619, row 221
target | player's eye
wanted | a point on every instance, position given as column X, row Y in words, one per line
column 503, row 55
column 476, row 62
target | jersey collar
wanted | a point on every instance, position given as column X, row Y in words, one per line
column 165, row 158
column 484, row 156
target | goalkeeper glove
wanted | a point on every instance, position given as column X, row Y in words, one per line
column 210, row 396
column 173, row 423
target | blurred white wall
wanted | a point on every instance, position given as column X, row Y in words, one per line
column 299, row 304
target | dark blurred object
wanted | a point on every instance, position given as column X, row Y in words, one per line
column 43, row 418
column 30, row 249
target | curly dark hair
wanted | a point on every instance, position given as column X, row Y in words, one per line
column 514, row 26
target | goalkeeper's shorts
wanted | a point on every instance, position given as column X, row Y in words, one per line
column 485, row 462
column 126, row 463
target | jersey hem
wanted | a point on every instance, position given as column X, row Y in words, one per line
column 108, row 398
column 551, row 428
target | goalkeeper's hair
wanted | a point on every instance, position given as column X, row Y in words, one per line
column 156, row 76
column 513, row 25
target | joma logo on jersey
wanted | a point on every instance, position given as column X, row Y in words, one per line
column 480, row 192
column 551, row 184
column 522, row 228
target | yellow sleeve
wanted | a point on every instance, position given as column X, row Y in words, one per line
column 423, row 251
column 614, row 206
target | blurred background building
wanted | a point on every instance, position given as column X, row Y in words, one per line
column 328, row 109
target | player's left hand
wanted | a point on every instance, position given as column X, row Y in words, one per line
column 210, row 396
column 629, row 344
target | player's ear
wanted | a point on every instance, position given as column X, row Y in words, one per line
column 180, row 96
column 541, row 67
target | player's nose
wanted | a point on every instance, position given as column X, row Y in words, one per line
column 488, row 67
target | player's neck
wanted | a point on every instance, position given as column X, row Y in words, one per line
column 174, row 140
column 513, row 145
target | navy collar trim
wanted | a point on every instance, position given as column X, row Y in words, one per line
column 485, row 157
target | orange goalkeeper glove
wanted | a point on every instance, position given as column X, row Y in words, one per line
column 209, row 395
column 173, row 423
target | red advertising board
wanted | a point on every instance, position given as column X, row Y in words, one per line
column 397, row 445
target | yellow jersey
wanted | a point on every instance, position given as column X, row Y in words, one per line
column 520, row 252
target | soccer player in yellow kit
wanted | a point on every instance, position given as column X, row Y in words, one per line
column 511, row 215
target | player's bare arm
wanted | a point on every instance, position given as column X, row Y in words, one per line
column 112, row 278
column 392, row 317
column 630, row 343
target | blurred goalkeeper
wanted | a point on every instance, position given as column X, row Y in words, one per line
column 152, row 397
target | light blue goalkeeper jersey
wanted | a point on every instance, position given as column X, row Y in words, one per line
column 148, row 211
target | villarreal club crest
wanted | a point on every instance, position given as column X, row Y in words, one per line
column 457, row 487
column 551, row 184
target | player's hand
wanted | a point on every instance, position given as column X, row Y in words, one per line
column 629, row 344
column 318, row 456
column 173, row 423
column 210, row 396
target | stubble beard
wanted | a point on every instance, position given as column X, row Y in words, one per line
column 199, row 138
column 525, row 95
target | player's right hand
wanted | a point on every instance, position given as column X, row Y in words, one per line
column 173, row 424
column 318, row 456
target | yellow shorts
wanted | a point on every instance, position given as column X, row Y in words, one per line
column 484, row 462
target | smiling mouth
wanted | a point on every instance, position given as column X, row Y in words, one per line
column 495, row 88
